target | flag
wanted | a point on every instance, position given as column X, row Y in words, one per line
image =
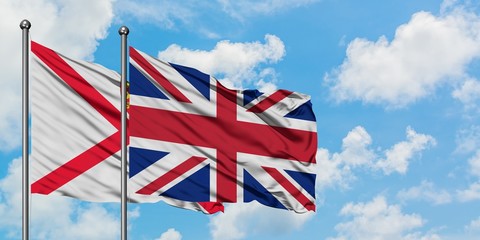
column 193, row 139
column 76, row 131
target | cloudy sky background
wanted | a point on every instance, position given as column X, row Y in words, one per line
column 394, row 84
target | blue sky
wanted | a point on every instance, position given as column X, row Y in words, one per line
column 395, row 88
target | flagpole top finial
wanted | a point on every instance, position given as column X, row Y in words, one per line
column 25, row 24
column 123, row 30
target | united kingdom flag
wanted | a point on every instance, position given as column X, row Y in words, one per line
column 195, row 140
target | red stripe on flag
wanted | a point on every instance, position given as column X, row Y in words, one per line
column 157, row 76
column 78, row 83
column 294, row 191
column 212, row 207
column 171, row 175
column 269, row 101
column 226, row 145
column 78, row 165
column 204, row 131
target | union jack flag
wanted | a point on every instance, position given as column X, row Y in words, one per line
column 195, row 140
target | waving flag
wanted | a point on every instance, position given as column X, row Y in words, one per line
column 195, row 140
column 76, row 131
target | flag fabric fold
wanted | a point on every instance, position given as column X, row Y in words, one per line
column 193, row 139
column 76, row 131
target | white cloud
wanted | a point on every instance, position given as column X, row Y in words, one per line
column 355, row 148
column 377, row 220
column 448, row 5
column 91, row 222
column 242, row 220
column 420, row 236
column 236, row 63
column 134, row 213
column 170, row 234
column 474, row 163
column 61, row 25
column 468, row 94
column 468, row 140
column 470, row 194
column 242, row 9
column 337, row 169
column 52, row 217
column 473, row 226
column 471, row 231
column 398, row 157
column 411, row 66
column 331, row 171
column 425, row 191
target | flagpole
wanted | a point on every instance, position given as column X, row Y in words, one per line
column 25, row 26
column 123, row 31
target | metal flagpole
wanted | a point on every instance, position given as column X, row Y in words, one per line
column 25, row 26
column 123, row 31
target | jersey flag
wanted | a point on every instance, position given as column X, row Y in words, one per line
column 76, row 131
column 193, row 139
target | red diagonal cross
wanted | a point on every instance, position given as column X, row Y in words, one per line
column 97, row 153
column 225, row 134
